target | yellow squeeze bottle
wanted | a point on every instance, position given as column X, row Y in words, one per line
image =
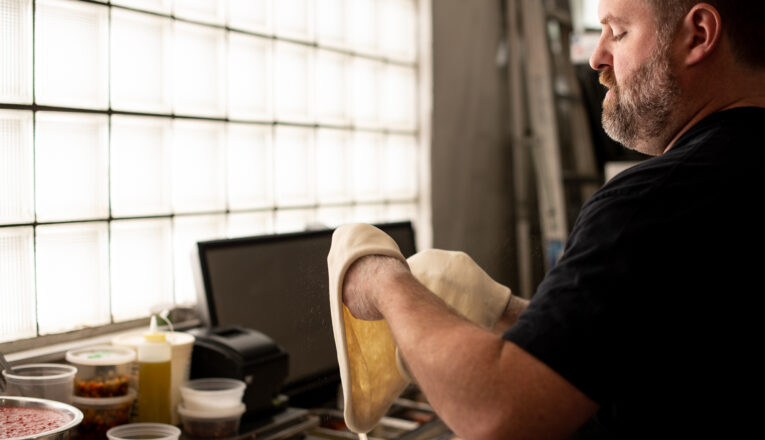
column 154, row 375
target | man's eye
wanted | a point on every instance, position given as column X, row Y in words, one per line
column 619, row 37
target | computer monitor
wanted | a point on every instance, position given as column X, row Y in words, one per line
column 278, row 285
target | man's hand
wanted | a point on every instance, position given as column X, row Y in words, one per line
column 365, row 280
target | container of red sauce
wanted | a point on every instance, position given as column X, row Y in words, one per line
column 26, row 418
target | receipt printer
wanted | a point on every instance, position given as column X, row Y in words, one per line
column 244, row 354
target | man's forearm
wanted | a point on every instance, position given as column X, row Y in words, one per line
column 454, row 361
column 482, row 386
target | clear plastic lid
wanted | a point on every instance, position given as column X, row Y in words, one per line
column 41, row 372
column 212, row 387
column 101, row 355
column 157, row 431
column 217, row 413
column 212, row 393
column 102, row 402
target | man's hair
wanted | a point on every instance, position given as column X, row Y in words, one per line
column 743, row 24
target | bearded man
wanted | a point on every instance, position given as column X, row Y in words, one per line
column 649, row 322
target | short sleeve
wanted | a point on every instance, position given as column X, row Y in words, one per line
column 579, row 321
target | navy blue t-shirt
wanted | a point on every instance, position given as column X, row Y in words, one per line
column 655, row 308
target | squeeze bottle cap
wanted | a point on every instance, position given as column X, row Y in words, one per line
column 153, row 335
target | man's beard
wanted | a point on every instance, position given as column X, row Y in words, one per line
column 638, row 111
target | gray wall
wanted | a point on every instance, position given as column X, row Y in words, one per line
column 471, row 156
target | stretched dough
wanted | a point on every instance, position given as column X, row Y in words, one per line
column 366, row 352
column 373, row 374
column 458, row 280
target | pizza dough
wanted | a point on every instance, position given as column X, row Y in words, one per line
column 366, row 352
column 372, row 373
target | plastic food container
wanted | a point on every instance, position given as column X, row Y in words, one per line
column 135, row 431
column 102, row 371
column 102, row 413
column 211, row 423
column 212, row 393
column 45, row 381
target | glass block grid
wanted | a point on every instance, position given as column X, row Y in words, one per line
column 131, row 129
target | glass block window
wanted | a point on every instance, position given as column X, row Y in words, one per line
column 585, row 14
column 131, row 129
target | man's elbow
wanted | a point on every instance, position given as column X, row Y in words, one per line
column 486, row 425
column 497, row 424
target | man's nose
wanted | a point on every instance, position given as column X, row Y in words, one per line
column 601, row 56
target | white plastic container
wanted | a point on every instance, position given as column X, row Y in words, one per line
column 136, row 431
column 102, row 414
column 211, row 423
column 44, row 381
column 212, row 393
column 102, row 370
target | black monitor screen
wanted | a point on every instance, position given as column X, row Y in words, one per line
column 278, row 285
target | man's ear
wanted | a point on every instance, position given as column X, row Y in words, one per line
column 702, row 29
